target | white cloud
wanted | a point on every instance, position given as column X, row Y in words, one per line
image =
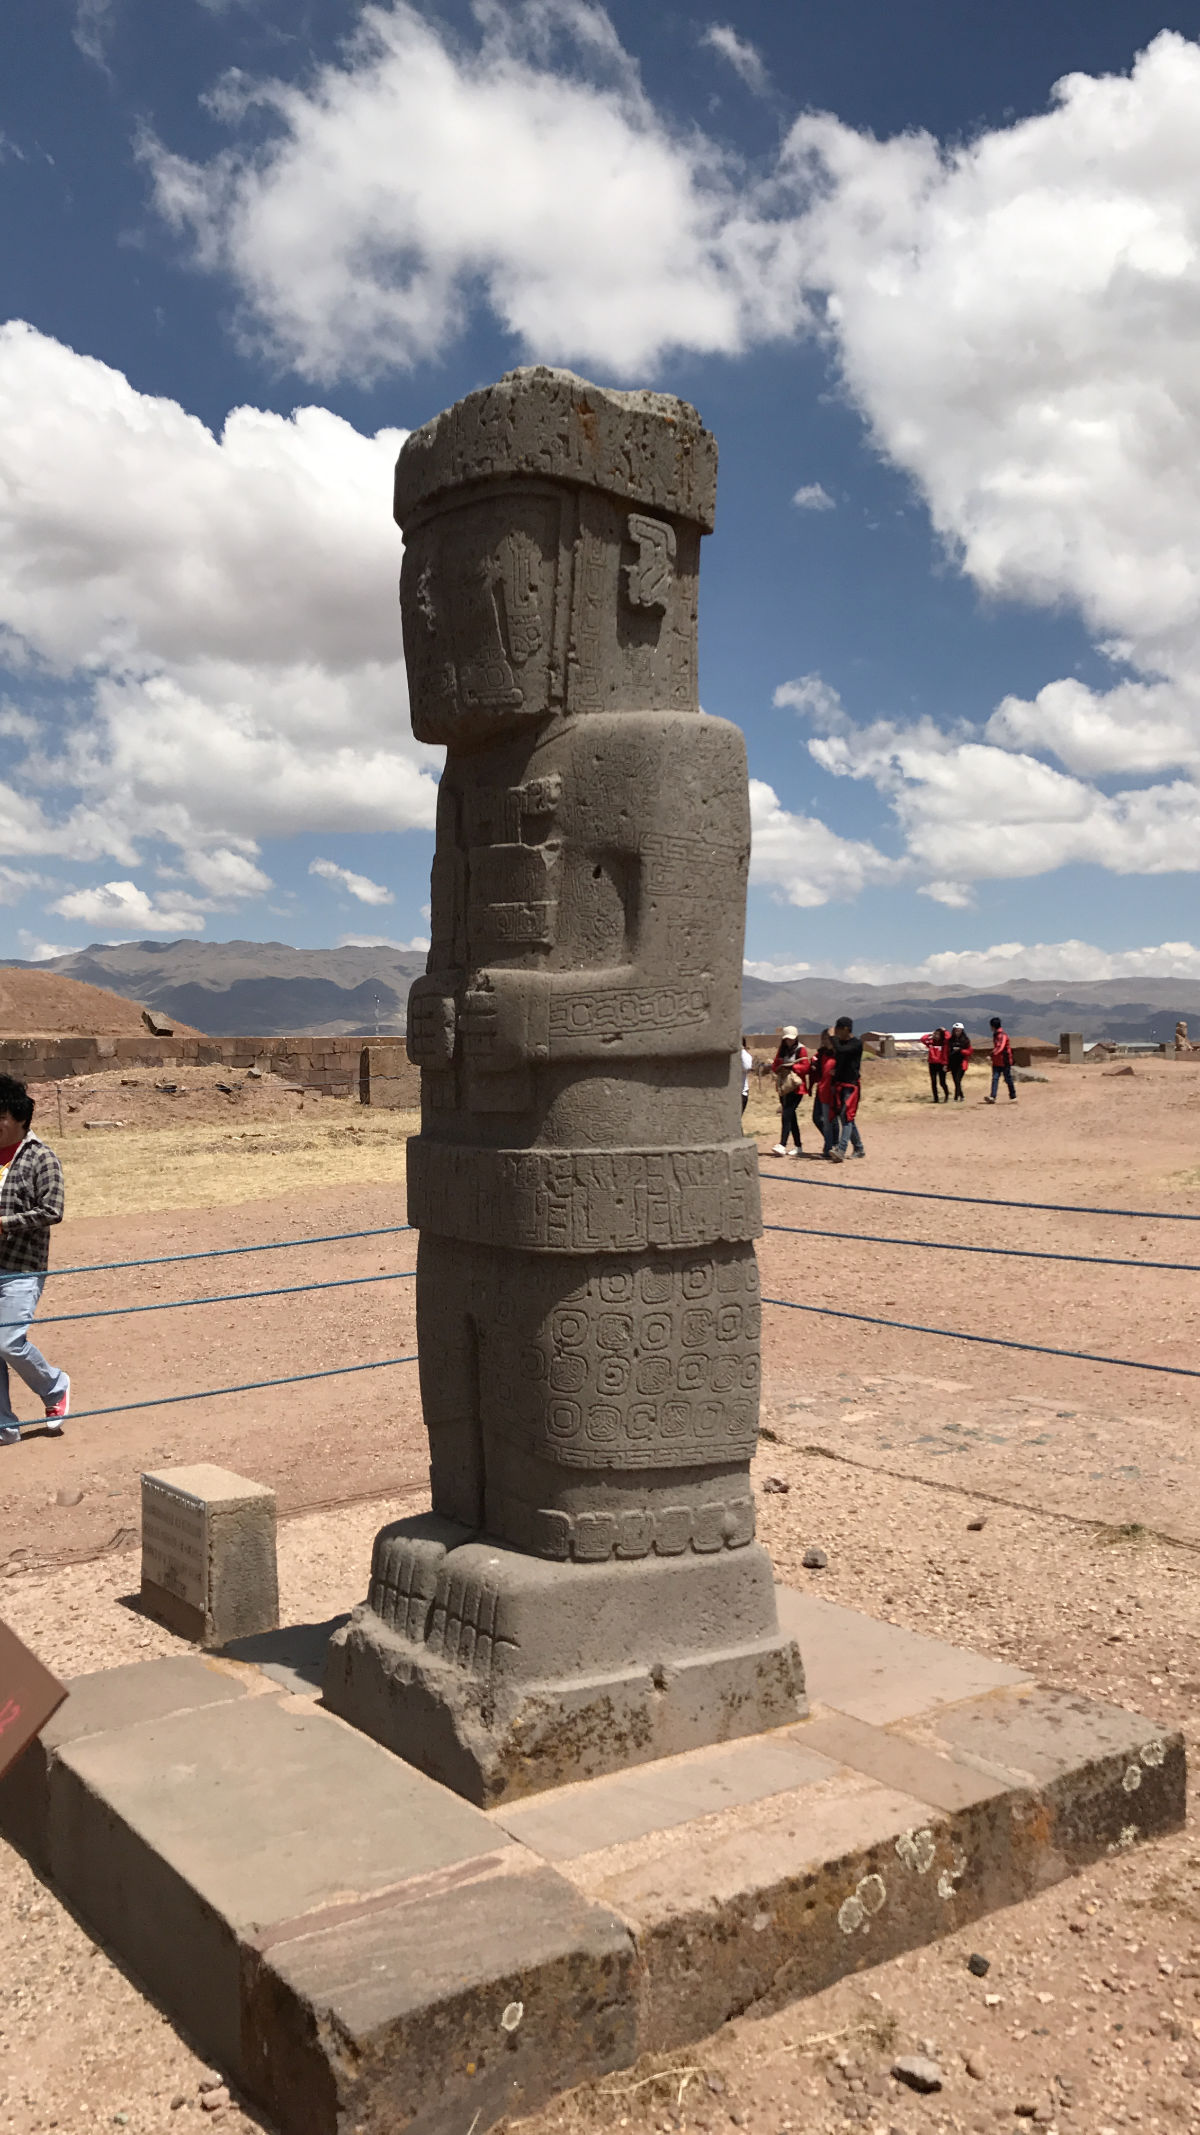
column 1004, row 962
column 416, row 947
column 92, row 29
column 774, row 973
column 742, row 56
column 226, row 874
column 360, row 235
column 124, row 905
column 1014, row 316
column 360, row 886
column 36, row 951
column 956, row 895
column 802, row 858
column 17, row 882
column 217, row 616
column 814, row 497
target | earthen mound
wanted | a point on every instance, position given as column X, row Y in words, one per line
column 42, row 1004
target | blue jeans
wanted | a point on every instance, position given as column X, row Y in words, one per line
column 997, row 1072
column 19, row 1298
column 850, row 1134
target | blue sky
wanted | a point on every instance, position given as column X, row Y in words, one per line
column 932, row 276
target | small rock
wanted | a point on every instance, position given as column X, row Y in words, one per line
column 120, row 2120
column 211, row 2082
column 814, row 1560
column 976, row 2067
column 254, row 1074
column 920, row 2073
column 178, row 2100
column 977, row 1523
column 1025, row 2110
column 775, row 1485
column 715, row 2083
column 68, row 1497
column 978, row 1964
column 215, row 2101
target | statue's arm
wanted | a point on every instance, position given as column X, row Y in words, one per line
column 678, row 989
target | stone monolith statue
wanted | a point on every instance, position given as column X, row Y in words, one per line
column 587, row 1591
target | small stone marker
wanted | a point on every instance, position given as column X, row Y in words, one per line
column 208, row 1553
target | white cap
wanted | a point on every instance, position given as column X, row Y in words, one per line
column 789, row 1031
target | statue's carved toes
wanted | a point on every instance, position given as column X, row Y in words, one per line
column 406, row 1565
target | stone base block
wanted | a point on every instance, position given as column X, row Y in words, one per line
column 360, row 1949
column 502, row 1674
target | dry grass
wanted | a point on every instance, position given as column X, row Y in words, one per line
column 204, row 1166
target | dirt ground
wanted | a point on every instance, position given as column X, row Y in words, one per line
column 879, row 1445
column 43, row 1004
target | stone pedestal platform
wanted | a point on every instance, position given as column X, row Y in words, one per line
column 359, row 1948
column 501, row 1674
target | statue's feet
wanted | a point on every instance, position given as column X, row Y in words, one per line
column 406, row 1565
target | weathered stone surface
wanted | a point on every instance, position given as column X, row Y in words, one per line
column 500, row 1673
column 208, row 1553
column 587, row 1294
column 359, row 1948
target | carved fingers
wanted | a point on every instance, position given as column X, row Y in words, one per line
column 431, row 1023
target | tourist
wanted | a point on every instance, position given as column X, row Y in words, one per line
column 1002, row 1061
column 824, row 1109
column 790, row 1068
column 847, row 1087
column 747, row 1064
column 937, row 1045
column 31, row 1201
column 958, row 1058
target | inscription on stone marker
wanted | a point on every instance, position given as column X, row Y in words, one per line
column 175, row 1542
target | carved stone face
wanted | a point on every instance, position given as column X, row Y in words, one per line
column 477, row 597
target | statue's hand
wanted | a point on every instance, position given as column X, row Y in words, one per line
column 431, row 1022
column 496, row 1021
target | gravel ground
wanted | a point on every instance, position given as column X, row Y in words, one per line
column 1084, row 1572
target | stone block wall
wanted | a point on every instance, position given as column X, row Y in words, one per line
column 338, row 1066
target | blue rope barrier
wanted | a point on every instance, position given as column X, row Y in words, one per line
column 1054, row 1208
column 232, row 1297
column 992, row 1341
column 1005, row 1252
column 252, row 1386
column 225, row 1252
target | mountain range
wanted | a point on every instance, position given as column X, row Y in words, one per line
column 266, row 988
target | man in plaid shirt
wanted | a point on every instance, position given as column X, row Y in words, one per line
column 31, row 1199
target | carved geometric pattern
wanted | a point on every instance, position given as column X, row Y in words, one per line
column 598, row 1200
column 637, row 1531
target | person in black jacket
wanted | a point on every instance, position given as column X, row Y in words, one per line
column 847, row 1087
column 958, row 1058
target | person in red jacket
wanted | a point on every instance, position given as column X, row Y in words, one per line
column 1001, row 1061
column 937, row 1045
column 790, row 1068
column 824, row 1099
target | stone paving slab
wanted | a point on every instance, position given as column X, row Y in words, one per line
column 880, row 1672
column 626, row 1805
column 360, row 1949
